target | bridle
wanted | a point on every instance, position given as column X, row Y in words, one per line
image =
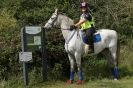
column 55, row 18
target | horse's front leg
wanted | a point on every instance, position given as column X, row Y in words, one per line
column 78, row 61
column 71, row 59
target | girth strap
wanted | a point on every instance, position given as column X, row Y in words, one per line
column 70, row 37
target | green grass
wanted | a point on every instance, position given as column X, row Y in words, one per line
column 103, row 83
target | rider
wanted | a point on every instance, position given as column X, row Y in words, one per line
column 86, row 23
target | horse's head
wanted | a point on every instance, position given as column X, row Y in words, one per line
column 59, row 19
column 52, row 21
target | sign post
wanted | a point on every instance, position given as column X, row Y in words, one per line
column 32, row 39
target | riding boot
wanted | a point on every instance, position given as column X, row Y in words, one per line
column 91, row 46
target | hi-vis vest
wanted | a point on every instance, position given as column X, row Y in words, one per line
column 87, row 24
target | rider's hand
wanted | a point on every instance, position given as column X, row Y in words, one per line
column 72, row 27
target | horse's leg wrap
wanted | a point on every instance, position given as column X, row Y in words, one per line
column 80, row 75
column 71, row 75
column 115, row 72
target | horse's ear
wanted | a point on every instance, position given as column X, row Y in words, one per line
column 56, row 10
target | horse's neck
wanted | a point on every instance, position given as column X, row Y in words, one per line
column 65, row 23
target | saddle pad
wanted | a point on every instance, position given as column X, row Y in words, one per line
column 97, row 38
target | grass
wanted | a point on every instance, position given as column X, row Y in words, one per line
column 104, row 83
column 126, row 82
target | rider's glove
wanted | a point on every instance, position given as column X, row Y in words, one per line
column 72, row 27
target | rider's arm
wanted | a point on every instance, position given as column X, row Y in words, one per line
column 84, row 18
column 81, row 21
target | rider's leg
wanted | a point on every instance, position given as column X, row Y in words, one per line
column 85, row 37
column 90, row 33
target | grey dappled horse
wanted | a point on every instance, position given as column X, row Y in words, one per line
column 76, row 48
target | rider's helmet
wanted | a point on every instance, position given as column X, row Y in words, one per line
column 83, row 5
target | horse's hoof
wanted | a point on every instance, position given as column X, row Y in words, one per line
column 69, row 81
column 79, row 82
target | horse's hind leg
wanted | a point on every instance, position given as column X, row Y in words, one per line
column 71, row 59
column 113, row 52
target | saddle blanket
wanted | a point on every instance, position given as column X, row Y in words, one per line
column 96, row 38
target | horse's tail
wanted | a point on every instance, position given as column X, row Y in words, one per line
column 118, row 51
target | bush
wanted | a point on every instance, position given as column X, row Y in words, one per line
column 9, row 45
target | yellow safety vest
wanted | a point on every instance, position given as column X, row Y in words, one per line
column 87, row 24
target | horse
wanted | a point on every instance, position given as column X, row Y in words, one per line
column 76, row 48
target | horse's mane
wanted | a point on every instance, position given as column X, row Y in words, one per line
column 61, row 13
column 64, row 14
column 68, row 20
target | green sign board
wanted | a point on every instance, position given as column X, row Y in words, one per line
column 32, row 38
